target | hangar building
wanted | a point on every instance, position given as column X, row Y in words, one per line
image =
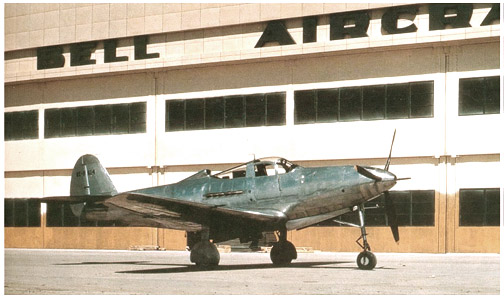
column 160, row 91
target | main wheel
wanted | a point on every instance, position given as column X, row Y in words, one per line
column 205, row 254
column 366, row 260
column 283, row 253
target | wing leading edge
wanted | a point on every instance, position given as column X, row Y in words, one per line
column 190, row 215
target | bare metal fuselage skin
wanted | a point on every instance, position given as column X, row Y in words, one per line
column 297, row 196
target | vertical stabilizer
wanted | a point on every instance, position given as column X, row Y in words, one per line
column 90, row 178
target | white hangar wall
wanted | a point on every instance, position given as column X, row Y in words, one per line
column 444, row 153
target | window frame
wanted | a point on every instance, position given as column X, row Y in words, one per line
column 365, row 104
column 250, row 110
column 106, row 119
column 31, row 215
column 21, row 125
column 463, row 217
column 485, row 95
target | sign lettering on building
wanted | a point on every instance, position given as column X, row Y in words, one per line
column 353, row 24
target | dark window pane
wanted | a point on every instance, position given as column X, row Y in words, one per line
column 103, row 119
column 235, row 112
column 120, row 118
column 351, row 217
column 69, row 219
column 304, row 107
column 9, row 127
column 54, row 215
column 398, row 101
column 350, row 104
column 492, row 103
column 373, row 102
column 327, row 105
column 255, row 110
column 9, row 213
column 472, row 207
column 30, row 124
column 52, row 123
column 422, row 220
column 68, row 121
column 376, row 215
column 214, row 113
column 20, row 213
column 402, row 202
column 422, row 207
column 275, row 110
column 422, row 99
column 174, row 115
column 195, row 118
column 33, row 213
column 493, row 207
column 21, row 125
column 471, row 96
column 85, row 120
column 138, row 116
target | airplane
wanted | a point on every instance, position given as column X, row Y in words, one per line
column 263, row 195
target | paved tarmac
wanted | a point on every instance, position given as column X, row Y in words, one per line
column 170, row 273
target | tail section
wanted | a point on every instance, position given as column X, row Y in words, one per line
column 90, row 178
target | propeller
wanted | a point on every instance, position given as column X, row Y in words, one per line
column 389, row 203
column 391, row 216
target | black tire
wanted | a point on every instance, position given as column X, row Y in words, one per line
column 283, row 253
column 205, row 254
column 366, row 260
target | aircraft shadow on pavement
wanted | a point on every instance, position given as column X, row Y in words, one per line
column 186, row 268
column 193, row 268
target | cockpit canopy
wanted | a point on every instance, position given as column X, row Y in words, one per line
column 268, row 166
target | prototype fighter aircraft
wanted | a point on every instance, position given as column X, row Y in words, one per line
column 263, row 195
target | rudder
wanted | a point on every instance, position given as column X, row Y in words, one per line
column 90, row 178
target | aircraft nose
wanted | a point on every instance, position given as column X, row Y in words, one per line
column 387, row 176
column 379, row 175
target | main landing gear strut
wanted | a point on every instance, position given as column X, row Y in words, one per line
column 283, row 252
column 366, row 260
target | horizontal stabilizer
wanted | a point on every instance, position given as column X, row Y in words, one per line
column 66, row 199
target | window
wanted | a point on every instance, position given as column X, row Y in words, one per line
column 21, row 125
column 479, row 207
column 60, row 215
column 275, row 109
column 234, row 112
column 255, row 110
column 214, row 113
column 350, row 104
column 479, row 96
column 22, row 213
column 392, row 101
column 95, row 120
column 225, row 112
column 413, row 208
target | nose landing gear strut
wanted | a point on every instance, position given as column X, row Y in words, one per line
column 366, row 260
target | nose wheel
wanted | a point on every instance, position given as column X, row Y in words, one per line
column 366, row 260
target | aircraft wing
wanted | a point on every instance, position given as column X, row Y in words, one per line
column 174, row 213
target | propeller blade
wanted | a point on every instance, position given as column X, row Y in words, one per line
column 387, row 164
column 391, row 216
column 366, row 173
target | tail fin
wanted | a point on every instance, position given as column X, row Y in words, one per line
column 89, row 177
